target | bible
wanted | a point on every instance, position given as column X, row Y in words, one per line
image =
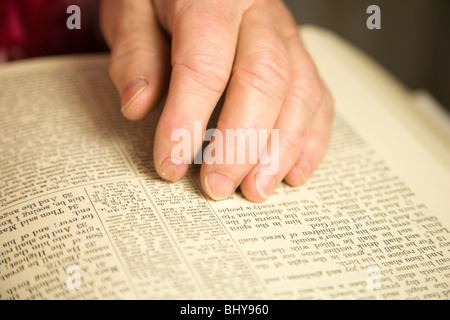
column 84, row 215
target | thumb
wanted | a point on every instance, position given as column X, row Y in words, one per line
column 140, row 54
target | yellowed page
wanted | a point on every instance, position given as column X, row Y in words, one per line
column 83, row 214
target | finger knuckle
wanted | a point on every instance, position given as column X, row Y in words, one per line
column 308, row 90
column 204, row 71
column 265, row 72
column 124, row 54
column 290, row 144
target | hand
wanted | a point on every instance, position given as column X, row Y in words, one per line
column 252, row 49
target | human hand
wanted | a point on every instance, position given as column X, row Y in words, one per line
column 252, row 49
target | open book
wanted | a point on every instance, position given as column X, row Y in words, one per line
column 84, row 215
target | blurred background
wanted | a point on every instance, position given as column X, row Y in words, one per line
column 413, row 43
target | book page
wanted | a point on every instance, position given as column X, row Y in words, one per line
column 83, row 214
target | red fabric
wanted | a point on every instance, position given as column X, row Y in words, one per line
column 30, row 28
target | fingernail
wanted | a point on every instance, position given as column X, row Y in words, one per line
column 172, row 169
column 132, row 91
column 219, row 186
column 304, row 169
column 265, row 184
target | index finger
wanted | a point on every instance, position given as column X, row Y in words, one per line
column 204, row 37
